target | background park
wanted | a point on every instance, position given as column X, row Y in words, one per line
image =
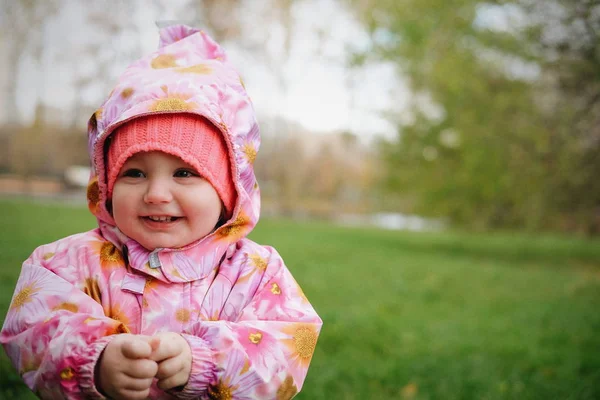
column 429, row 173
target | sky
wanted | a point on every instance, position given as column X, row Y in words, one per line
column 321, row 92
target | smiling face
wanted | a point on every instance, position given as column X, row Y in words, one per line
column 161, row 201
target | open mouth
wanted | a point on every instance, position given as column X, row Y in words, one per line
column 157, row 218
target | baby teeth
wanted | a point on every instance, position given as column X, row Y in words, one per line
column 160, row 219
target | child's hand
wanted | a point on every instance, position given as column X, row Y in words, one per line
column 174, row 357
column 125, row 370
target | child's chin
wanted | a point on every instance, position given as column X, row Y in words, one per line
column 153, row 245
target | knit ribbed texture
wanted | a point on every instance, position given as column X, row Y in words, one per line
column 190, row 137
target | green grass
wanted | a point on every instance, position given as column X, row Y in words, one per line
column 419, row 316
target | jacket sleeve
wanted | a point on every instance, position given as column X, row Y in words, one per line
column 265, row 350
column 54, row 333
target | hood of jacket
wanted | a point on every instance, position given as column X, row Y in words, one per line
column 189, row 73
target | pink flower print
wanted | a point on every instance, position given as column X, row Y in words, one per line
column 137, row 254
column 139, row 258
column 29, row 378
column 214, row 105
column 234, row 230
column 300, row 346
column 282, row 385
column 56, row 258
column 174, row 33
column 58, row 304
column 256, row 263
column 125, row 312
column 93, row 195
column 160, row 312
column 248, row 179
column 67, row 374
column 172, row 98
column 215, row 299
column 273, row 302
column 210, row 331
column 246, row 151
column 239, row 86
column 93, row 324
column 175, row 57
column 254, row 197
column 93, row 129
column 111, row 111
column 44, row 333
column 226, row 105
column 260, row 347
column 30, row 360
column 201, row 45
column 281, row 299
column 30, row 299
column 170, row 319
column 154, row 298
column 164, row 60
column 239, row 382
column 249, row 146
column 109, row 256
column 200, row 69
column 189, row 268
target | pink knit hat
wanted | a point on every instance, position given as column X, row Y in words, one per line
column 190, row 137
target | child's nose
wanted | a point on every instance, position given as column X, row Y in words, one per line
column 158, row 191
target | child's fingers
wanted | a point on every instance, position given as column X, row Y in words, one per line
column 171, row 345
column 171, row 382
column 135, row 348
column 154, row 343
column 138, row 384
column 165, row 349
column 134, row 394
column 169, row 367
column 142, row 369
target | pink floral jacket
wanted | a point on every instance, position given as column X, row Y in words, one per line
column 251, row 329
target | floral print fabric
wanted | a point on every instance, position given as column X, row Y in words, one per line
column 251, row 329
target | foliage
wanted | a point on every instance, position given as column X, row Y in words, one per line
column 318, row 175
column 504, row 129
column 408, row 316
column 21, row 23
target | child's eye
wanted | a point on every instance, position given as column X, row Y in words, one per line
column 184, row 173
column 133, row 173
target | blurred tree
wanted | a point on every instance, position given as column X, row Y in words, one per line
column 115, row 27
column 569, row 40
column 21, row 26
column 287, row 176
column 324, row 172
column 28, row 149
column 504, row 127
